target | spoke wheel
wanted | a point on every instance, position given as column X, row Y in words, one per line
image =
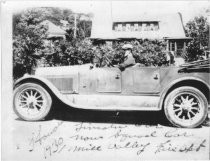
column 31, row 102
column 186, row 107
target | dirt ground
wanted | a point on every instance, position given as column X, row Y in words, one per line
column 92, row 135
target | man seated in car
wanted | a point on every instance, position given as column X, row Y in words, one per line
column 128, row 59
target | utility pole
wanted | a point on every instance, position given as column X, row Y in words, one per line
column 207, row 52
column 75, row 25
column 209, row 30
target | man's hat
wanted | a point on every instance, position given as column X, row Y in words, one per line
column 127, row 46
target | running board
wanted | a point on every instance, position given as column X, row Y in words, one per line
column 113, row 102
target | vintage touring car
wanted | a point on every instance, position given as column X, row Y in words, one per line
column 182, row 93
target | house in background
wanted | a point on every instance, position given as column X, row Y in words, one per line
column 168, row 27
column 54, row 32
column 65, row 24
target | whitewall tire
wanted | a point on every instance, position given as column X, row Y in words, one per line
column 186, row 107
column 31, row 102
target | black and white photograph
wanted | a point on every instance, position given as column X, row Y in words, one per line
column 105, row 80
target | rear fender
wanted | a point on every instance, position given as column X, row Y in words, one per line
column 175, row 82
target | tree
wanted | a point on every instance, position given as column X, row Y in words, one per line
column 29, row 36
column 28, row 41
column 83, row 27
column 55, row 14
column 198, row 30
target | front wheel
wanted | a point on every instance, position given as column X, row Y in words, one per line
column 186, row 107
column 31, row 102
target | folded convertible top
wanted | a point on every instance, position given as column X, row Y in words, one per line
column 196, row 66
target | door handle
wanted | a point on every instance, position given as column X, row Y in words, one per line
column 117, row 77
column 156, row 76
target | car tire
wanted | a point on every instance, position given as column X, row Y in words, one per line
column 31, row 102
column 186, row 107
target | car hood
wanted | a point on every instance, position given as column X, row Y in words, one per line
column 61, row 70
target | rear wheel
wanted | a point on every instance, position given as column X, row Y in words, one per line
column 31, row 102
column 186, row 107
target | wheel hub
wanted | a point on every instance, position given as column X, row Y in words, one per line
column 31, row 100
column 31, row 105
column 186, row 106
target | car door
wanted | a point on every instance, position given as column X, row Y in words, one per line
column 108, row 80
column 146, row 80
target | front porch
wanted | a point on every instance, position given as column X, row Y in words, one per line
column 177, row 46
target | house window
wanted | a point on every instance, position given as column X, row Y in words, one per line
column 123, row 27
column 152, row 27
column 132, row 27
column 156, row 26
column 172, row 46
column 116, row 27
column 119, row 27
column 180, row 45
column 180, row 48
column 144, row 28
column 128, row 27
column 139, row 26
column 135, row 26
column 147, row 26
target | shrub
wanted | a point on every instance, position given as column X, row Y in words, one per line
column 150, row 52
column 69, row 53
column 146, row 52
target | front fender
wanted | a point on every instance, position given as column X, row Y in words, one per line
column 37, row 79
column 48, row 84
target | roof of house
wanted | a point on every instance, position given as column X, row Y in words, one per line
column 53, row 30
column 170, row 26
column 123, row 17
